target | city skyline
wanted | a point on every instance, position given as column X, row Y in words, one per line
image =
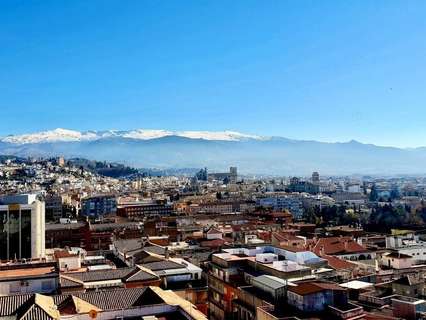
column 212, row 160
column 328, row 71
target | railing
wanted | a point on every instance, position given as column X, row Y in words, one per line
column 347, row 311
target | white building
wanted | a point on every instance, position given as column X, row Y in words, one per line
column 39, row 277
column 22, row 227
column 397, row 260
column 353, row 188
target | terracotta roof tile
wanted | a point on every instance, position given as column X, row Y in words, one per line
column 307, row 288
column 337, row 245
column 339, row 264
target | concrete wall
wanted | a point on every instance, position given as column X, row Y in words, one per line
column 69, row 263
column 310, row 302
column 38, row 245
column 45, row 285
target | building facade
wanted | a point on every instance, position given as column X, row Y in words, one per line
column 53, row 207
column 280, row 203
column 98, row 206
column 143, row 209
column 22, row 228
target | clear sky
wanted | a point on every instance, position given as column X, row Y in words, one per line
column 322, row 70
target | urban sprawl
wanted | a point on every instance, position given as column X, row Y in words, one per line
column 76, row 244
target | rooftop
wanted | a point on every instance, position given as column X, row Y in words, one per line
column 356, row 284
column 6, row 275
column 307, row 288
column 35, row 306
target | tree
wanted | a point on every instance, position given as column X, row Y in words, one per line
column 387, row 217
column 373, row 194
column 310, row 216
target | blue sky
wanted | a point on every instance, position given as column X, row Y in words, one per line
column 322, row 70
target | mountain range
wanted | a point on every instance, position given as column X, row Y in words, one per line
column 252, row 154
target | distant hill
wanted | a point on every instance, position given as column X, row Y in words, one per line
column 114, row 170
column 218, row 150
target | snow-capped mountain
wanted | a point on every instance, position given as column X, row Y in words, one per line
column 217, row 151
column 65, row 135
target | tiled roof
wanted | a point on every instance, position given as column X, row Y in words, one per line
column 337, row 245
column 72, row 279
column 278, row 236
column 120, row 298
column 77, row 304
column 144, row 256
column 65, row 282
column 163, row 265
column 339, row 264
column 10, row 304
column 100, row 275
column 307, row 288
column 60, row 298
column 35, row 312
column 29, row 306
column 35, row 306
column 130, row 245
column 142, row 276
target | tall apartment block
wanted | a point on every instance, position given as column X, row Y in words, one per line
column 22, row 227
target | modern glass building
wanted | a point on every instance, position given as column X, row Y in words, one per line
column 22, row 230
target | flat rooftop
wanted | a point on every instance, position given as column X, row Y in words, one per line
column 25, row 273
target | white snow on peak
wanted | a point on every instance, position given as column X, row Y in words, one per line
column 217, row 135
column 142, row 134
column 50, row 136
column 65, row 135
